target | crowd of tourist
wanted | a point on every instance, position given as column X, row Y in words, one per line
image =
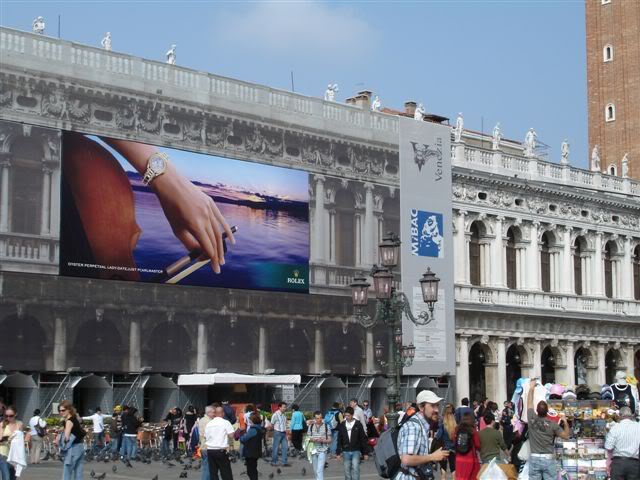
column 431, row 436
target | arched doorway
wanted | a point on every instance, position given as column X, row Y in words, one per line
column 477, row 372
column 344, row 349
column 160, row 393
column 290, row 350
column 98, row 347
column 612, row 362
column 168, row 348
column 548, row 366
column 345, row 230
column 229, row 338
column 21, row 391
column 515, row 359
column 582, row 359
column 23, row 344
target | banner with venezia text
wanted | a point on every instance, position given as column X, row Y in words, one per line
column 427, row 241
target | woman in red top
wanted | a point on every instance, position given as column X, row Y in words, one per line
column 467, row 464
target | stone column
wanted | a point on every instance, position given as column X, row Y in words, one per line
column 566, row 276
column 533, row 263
column 502, row 370
column 537, row 360
column 370, row 353
column 461, row 252
column 4, row 197
column 629, row 358
column 134, row 346
column 597, row 280
column 370, row 226
column 332, row 243
column 498, row 256
column 570, row 374
column 602, row 371
column 318, row 227
column 201, row 347
column 262, row 349
column 45, row 225
column 60, row 345
column 626, row 283
column 462, row 372
column 318, row 350
column 485, row 264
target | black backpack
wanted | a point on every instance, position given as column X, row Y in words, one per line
column 385, row 453
column 463, row 442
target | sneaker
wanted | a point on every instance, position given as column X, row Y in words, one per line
column 274, row 464
column 286, row 464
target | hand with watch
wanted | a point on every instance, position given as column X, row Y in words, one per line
column 194, row 217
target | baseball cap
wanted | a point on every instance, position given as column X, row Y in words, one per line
column 427, row 396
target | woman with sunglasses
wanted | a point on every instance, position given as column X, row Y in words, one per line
column 9, row 429
column 72, row 442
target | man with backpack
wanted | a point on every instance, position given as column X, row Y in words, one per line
column 413, row 440
column 38, row 430
column 332, row 419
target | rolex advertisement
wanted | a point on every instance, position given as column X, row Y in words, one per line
column 132, row 211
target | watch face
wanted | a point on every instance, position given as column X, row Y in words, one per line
column 157, row 164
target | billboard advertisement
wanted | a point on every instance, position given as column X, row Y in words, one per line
column 427, row 240
column 132, row 211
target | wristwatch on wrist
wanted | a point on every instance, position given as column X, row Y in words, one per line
column 156, row 166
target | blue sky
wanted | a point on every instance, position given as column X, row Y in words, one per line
column 519, row 62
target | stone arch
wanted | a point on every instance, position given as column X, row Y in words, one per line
column 290, row 349
column 168, row 348
column 482, row 377
column 344, row 349
column 517, row 361
column 98, row 346
column 26, row 185
column 581, row 254
column 227, row 338
column 610, row 251
column 612, row 363
column 23, row 343
column 548, row 363
column 478, row 252
column 345, row 227
column 584, row 362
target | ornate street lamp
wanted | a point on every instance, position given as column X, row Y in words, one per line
column 391, row 305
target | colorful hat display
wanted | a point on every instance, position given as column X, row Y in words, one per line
column 569, row 394
column 606, row 393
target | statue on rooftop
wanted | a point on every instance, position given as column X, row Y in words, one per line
column 625, row 166
column 38, row 25
column 420, row 112
column 564, row 153
column 595, row 159
column 106, row 42
column 171, row 55
column 530, row 142
column 377, row 104
column 330, row 92
column 457, row 131
column 496, row 137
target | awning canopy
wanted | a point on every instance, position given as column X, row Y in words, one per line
column 17, row 380
column 376, row 382
column 157, row 381
column 195, row 379
column 331, row 382
column 89, row 381
column 426, row 383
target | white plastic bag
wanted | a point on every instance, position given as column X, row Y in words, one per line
column 524, row 474
column 493, row 472
column 525, row 451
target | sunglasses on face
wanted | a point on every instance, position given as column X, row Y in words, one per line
column 9, row 416
column 62, row 410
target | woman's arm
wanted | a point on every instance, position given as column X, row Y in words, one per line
column 194, row 217
column 68, row 425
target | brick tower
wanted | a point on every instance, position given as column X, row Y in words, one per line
column 613, row 81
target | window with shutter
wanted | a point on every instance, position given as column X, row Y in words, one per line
column 474, row 255
column 545, row 264
column 608, row 278
column 511, row 259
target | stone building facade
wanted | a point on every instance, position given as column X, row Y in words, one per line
column 613, row 82
column 546, row 256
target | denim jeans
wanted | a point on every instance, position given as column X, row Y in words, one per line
column 129, row 444
column 98, row 442
column 5, row 472
column 116, row 442
column 542, row 468
column 318, row 460
column 205, row 465
column 165, row 447
column 279, row 439
column 351, row 462
column 73, row 468
column 334, row 442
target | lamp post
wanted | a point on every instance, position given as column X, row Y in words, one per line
column 391, row 304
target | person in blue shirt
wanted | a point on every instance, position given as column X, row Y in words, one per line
column 298, row 425
column 460, row 411
column 252, row 445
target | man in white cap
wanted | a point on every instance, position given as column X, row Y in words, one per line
column 623, row 440
column 413, row 444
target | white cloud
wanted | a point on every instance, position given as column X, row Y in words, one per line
column 313, row 30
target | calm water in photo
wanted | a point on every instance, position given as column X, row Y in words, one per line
column 264, row 236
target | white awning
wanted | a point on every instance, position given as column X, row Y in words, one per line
column 18, row 380
column 3, row 377
column 194, row 379
column 376, row 382
column 426, row 383
column 331, row 382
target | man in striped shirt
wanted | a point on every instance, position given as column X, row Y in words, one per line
column 279, row 422
column 320, row 435
column 623, row 440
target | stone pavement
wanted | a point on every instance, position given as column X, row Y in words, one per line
column 51, row 470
